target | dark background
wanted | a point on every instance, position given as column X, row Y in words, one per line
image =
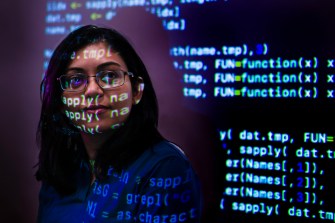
column 293, row 28
column 21, row 39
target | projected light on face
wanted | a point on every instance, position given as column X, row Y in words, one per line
column 97, row 91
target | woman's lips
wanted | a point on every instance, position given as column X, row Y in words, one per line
column 96, row 109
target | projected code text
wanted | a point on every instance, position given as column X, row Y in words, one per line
column 277, row 173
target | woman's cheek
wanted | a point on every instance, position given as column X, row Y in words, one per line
column 118, row 109
column 73, row 107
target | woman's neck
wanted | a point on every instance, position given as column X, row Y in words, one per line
column 94, row 142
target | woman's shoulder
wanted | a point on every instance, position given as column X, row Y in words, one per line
column 166, row 149
column 163, row 151
column 163, row 158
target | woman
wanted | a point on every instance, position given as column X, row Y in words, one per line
column 102, row 158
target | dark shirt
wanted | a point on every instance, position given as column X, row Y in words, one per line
column 160, row 186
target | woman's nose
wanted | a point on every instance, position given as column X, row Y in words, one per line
column 93, row 89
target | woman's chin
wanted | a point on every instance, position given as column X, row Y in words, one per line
column 97, row 128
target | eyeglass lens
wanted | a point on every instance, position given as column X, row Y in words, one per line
column 105, row 79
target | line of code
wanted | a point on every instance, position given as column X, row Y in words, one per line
column 274, row 173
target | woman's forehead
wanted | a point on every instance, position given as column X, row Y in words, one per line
column 95, row 54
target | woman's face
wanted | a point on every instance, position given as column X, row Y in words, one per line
column 98, row 108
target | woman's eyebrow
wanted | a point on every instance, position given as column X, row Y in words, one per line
column 103, row 65
column 99, row 67
column 74, row 69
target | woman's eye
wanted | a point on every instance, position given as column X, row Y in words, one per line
column 109, row 76
column 76, row 81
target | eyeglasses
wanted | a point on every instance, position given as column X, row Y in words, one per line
column 105, row 79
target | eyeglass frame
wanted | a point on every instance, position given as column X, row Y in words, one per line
column 124, row 73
